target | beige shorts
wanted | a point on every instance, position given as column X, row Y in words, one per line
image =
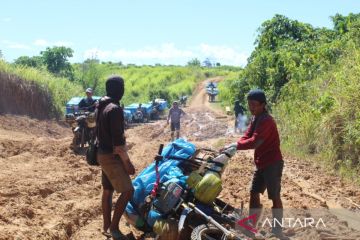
column 114, row 173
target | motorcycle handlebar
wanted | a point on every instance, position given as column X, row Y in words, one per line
column 160, row 149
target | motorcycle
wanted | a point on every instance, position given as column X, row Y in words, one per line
column 155, row 112
column 83, row 126
column 192, row 205
column 182, row 101
column 140, row 117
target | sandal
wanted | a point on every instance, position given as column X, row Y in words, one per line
column 117, row 235
column 106, row 234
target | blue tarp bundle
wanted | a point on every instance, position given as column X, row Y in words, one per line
column 127, row 115
column 162, row 104
column 214, row 91
column 169, row 172
column 147, row 107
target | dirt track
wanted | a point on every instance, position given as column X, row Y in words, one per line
column 47, row 192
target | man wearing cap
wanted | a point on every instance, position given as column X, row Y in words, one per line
column 88, row 103
column 174, row 116
column 112, row 156
column 262, row 135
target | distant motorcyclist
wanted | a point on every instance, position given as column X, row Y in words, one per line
column 211, row 85
column 88, row 103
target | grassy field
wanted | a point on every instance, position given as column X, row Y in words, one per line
column 144, row 83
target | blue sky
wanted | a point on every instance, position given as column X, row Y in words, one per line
column 149, row 32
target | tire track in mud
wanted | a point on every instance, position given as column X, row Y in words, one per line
column 46, row 192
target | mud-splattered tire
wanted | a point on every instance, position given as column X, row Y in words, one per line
column 207, row 232
column 83, row 140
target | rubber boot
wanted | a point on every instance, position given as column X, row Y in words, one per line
column 177, row 134
column 277, row 214
column 258, row 212
column 254, row 234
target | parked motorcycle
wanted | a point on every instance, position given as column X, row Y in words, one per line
column 83, row 126
column 140, row 117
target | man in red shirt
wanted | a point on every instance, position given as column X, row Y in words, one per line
column 262, row 135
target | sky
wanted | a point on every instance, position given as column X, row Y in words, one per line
column 151, row 32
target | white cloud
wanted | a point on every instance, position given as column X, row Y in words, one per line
column 223, row 54
column 166, row 53
column 45, row 43
column 15, row 45
column 63, row 43
column 7, row 19
column 97, row 53
column 41, row 42
column 169, row 54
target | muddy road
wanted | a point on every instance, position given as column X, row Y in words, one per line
column 47, row 192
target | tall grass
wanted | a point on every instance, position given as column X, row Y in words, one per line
column 321, row 118
column 61, row 89
column 143, row 83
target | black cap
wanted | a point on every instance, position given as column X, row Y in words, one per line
column 257, row 95
column 115, row 87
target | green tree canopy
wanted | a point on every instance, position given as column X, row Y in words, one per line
column 342, row 24
column 35, row 61
column 56, row 61
column 194, row 62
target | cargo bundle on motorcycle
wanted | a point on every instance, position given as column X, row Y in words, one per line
column 183, row 181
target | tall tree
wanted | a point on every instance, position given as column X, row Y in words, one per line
column 194, row 62
column 342, row 24
column 91, row 73
column 275, row 31
column 56, row 61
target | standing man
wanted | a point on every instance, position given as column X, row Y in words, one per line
column 239, row 112
column 88, row 103
column 113, row 157
column 262, row 135
column 174, row 116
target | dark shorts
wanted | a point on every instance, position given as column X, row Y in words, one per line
column 175, row 126
column 268, row 178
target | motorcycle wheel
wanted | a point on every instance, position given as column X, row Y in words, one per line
column 91, row 136
column 207, row 232
column 82, row 143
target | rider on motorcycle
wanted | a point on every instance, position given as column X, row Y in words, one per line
column 88, row 103
column 83, row 132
